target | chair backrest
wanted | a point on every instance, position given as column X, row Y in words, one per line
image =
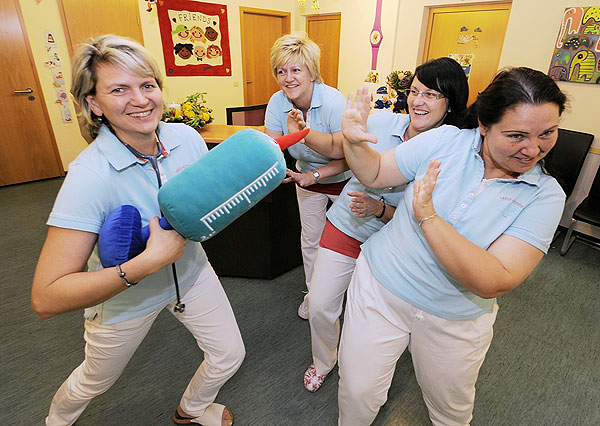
column 253, row 115
column 565, row 160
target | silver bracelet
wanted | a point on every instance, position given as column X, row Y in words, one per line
column 122, row 276
column 427, row 218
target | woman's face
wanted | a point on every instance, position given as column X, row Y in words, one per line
column 425, row 114
column 132, row 104
column 520, row 139
column 296, row 82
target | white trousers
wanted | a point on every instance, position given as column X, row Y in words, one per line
column 312, row 207
column 109, row 347
column 330, row 280
column 379, row 326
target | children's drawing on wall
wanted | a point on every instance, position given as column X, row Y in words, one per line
column 54, row 64
column 465, row 60
column 195, row 38
column 576, row 54
column 466, row 36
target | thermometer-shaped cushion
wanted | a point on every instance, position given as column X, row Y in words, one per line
column 204, row 198
column 224, row 184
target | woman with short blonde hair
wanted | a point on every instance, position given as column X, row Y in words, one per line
column 305, row 101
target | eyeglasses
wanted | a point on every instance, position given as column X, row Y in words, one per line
column 430, row 96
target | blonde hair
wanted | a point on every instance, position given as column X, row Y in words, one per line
column 107, row 49
column 296, row 48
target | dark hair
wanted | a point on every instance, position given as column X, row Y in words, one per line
column 512, row 87
column 446, row 76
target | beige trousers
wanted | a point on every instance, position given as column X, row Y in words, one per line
column 312, row 207
column 109, row 347
column 379, row 326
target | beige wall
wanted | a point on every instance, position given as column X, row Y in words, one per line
column 528, row 42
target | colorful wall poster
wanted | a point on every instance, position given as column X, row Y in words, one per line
column 195, row 38
column 576, row 54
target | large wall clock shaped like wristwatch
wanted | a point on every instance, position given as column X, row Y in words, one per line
column 376, row 36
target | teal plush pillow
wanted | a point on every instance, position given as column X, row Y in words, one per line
column 221, row 186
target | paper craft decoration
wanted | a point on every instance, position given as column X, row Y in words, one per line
column 465, row 60
column 55, row 65
column 195, row 38
column 576, row 54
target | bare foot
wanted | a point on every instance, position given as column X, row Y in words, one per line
column 226, row 419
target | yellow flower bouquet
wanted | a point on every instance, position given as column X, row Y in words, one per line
column 192, row 111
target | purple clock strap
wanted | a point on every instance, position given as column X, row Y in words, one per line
column 376, row 26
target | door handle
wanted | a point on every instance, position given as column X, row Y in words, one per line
column 249, row 81
column 28, row 90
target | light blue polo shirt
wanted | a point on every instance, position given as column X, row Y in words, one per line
column 528, row 208
column 107, row 175
column 389, row 129
column 324, row 115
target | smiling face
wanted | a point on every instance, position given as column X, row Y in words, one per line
column 132, row 104
column 519, row 140
column 297, row 83
column 425, row 114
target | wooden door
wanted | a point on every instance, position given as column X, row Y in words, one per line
column 259, row 29
column 474, row 33
column 325, row 31
column 27, row 145
column 86, row 18
column 83, row 19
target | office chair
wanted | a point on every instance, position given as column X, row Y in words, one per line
column 565, row 160
column 253, row 115
column 587, row 212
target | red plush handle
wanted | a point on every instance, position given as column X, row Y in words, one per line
column 286, row 141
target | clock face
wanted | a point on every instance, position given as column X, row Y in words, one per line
column 375, row 37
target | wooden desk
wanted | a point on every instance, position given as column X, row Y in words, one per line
column 265, row 241
column 217, row 133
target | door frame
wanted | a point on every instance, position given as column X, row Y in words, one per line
column 287, row 17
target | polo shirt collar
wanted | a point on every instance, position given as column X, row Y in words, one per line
column 400, row 129
column 119, row 156
column 531, row 177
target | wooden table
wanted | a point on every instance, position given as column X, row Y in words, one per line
column 217, row 133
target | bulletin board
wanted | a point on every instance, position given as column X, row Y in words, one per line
column 576, row 54
column 195, row 38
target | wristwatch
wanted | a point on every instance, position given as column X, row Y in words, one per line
column 317, row 176
column 376, row 36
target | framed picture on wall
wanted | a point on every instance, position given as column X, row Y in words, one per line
column 195, row 38
column 576, row 55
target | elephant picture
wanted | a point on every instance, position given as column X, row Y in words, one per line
column 585, row 62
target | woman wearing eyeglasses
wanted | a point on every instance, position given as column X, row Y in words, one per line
column 438, row 95
column 476, row 218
